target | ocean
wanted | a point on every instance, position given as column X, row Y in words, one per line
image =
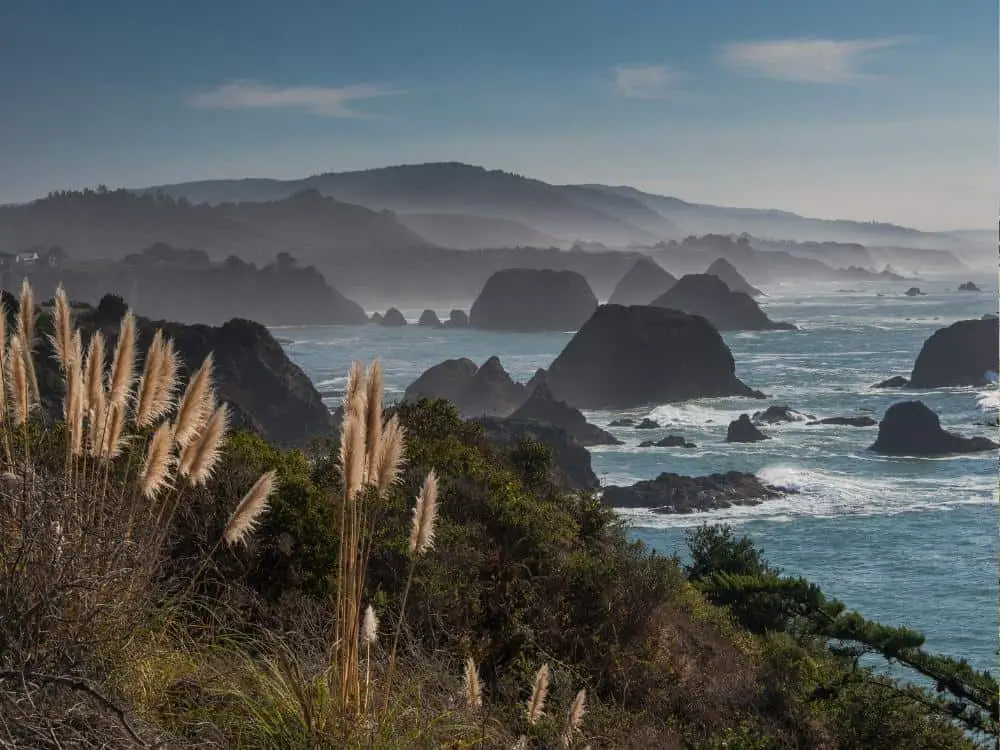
column 904, row 541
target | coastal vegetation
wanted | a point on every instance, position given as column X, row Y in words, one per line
column 404, row 583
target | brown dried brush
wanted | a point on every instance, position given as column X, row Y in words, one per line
column 473, row 688
column 196, row 404
column 62, row 336
column 540, row 691
column 20, row 391
column 156, row 468
column 26, row 329
column 424, row 516
column 201, row 455
column 387, row 466
column 574, row 719
column 247, row 514
column 149, row 382
column 123, row 364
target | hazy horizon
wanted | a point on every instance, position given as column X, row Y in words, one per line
column 876, row 115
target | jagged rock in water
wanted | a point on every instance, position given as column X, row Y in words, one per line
column 708, row 296
column 625, row 422
column 475, row 391
column 648, row 424
column 457, row 319
column 861, row 421
column 542, row 407
column 910, row 428
column 536, row 380
column 527, row 299
column 776, row 414
column 376, row 318
column 964, row 353
column 393, row 317
column 914, row 291
column 675, row 493
column 624, row 357
column 896, row 381
column 742, row 430
column 444, row 380
column 571, row 467
column 732, row 278
column 430, row 319
column 670, row 441
column 969, row 286
column 642, row 283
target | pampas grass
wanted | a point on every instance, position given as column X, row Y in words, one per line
column 539, row 692
column 156, row 469
column 196, row 404
column 388, row 463
column 247, row 514
column 113, row 439
column 26, row 329
column 63, row 329
column 473, row 688
column 574, row 719
column 200, row 456
column 95, row 372
column 424, row 516
column 149, row 382
column 20, row 393
column 123, row 364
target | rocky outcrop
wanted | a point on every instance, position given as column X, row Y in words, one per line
column 475, row 391
column 457, row 319
column 914, row 291
column 624, row 422
column 910, row 428
column 969, row 286
column 777, row 414
column 708, row 296
column 536, row 380
column 526, row 299
column 862, row 421
column 642, row 283
column 376, row 318
column 625, row 357
column 742, row 430
column 542, row 407
column 647, row 424
column 571, row 467
column 732, row 278
column 674, row 493
column 670, row 441
column 897, row 381
column 393, row 317
column 961, row 354
column 430, row 319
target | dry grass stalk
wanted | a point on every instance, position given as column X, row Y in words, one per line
column 424, row 516
column 149, row 382
column 352, row 456
column 388, row 462
column 201, row 455
column 373, row 422
column 4, row 369
column 196, row 404
column 574, row 719
column 156, row 468
column 123, row 364
column 113, row 438
column 166, row 382
column 76, row 396
column 62, row 329
column 20, row 393
column 26, row 329
column 540, row 691
column 247, row 514
column 95, row 372
column 473, row 688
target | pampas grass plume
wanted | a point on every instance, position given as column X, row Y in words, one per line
column 540, row 691
column 388, row 461
column 157, row 464
column 113, row 434
column 247, row 514
column 95, row 372
column 26, row 327
column 473, row 688
column 196, row 404
column 206, row 450
column 369, row 627
column 123, row 363
column 424, row 516
column 352, row 452
column 373, row 423
column 574, row 720
column 19, row 388
column 149, row 382
column 62, row 329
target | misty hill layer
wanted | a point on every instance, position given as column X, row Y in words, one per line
column 644, row 282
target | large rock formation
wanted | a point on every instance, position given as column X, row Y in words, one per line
column 742, row 430
column 642, row 283
column 969, row 286
column 571, row 467
column 896, row 381
column 625, row 357
column 457, row 319
column 670, row 441
column 910, row 428
column 393, row 317
column 430, row 319
column 732, row 278
column 674, row 493
column 475, row 391
column 776, row 414
column 961, row 354
column 708, row 296
column 914, row 291
column 525, row 299
column 541, row 406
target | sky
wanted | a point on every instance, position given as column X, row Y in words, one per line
column 862, row 109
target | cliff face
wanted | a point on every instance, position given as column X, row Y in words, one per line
column 961, row 354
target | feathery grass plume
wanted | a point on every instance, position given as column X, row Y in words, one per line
column 196, row 404
column 373, row 424
column 424, row 516
column 76, row 396
column 123, row 364
column 200, row 456
column 352, row 452
column 574, row 719
column 473, row 688
column 113, row 438
column 536, row 704
column 95, row 372
column 166, row 382
column 156, row 467
column 4, row 370
column 247, row 514
column 387, row 466
column 355, row 387
column 62, row 329
column 20, row 394
column 369, row 627
column 149, row 382
column 26, row 328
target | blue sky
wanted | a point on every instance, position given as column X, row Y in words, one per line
column 877, row 109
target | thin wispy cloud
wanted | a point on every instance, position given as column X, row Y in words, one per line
column 808, row 60
column 319, row 100
column 645, row 81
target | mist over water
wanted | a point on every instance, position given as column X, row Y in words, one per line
column 903, row 540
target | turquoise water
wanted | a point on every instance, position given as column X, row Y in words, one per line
column 904, row 541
